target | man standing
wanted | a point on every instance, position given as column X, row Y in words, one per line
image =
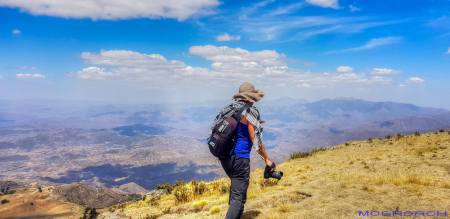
column 248, row 136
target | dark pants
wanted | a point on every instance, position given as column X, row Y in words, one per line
column 238, row 169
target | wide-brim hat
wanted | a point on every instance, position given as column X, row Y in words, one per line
column 248, row 92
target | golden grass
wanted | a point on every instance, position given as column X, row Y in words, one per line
column 408, row 172
column 214, row 210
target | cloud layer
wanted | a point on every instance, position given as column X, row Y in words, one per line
column 416, row 80
column 125, row 64
column 324, row 3
column 371, row 44
column 227, row 37
column 227, row 64
column 344, row 69
column 114, row 9
column 29, row 76
column 384, row 71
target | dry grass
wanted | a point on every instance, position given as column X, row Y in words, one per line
column 29, row 203
column 411, row 172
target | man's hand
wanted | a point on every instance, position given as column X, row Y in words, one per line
column 269, row 162
column 268, row 170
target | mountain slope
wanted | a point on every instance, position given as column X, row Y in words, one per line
column 33, row 203
column 401, row 172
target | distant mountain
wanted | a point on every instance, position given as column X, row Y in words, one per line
column 146, row 145
column 90, row 196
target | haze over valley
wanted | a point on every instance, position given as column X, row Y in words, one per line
column 135, row 147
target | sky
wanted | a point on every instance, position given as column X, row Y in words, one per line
column 130, row 51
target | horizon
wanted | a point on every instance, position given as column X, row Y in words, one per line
column 217, row 103
column 200, row 51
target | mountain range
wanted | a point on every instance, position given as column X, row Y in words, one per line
column 146, row 145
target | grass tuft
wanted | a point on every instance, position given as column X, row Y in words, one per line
column 297, row 155
column 183, row 194
column 199, row 205
column 214, row 210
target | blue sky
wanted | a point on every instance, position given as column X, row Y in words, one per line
column 149, row 51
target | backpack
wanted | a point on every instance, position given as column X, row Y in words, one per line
column 221, row 140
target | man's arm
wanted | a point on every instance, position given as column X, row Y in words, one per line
column 261, row 149
column 263, row 154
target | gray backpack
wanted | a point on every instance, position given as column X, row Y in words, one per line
column 221, row 140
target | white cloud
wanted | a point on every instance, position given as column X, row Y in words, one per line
column 448, row 50
column 287, row 9
column 226, row 37
column 371, row 44
column 94, row 73
column 30, row 76
column 228, row 66
column 239, row 61
column 115, row 9
column 324, row 3
column 16, row 32
column 125, row 64
column 264, row 21
column 384, row 71
column 344, row 69
column 416, row 80
column 265, row 24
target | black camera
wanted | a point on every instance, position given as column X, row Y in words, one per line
column 269, row 172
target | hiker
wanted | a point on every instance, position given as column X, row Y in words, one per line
column 247, row 135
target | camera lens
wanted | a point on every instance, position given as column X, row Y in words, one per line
column 276, row 174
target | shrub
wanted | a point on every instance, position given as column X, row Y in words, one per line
column 166, row 186
column 151, row 216
column 4, row 201
column 284, row 207
column 388, row 137
column 90, row 213
column 182, row 194
column 315, row 150
column 441, row 130
column 180, row 183
column 399, row 136
column 297, row 155
column 417, row 133
column 166, row 210
column 370, row 140
column 7, row 191
column 268, row 182
column 214, row 210
column 153, row 200
column 221, row 186
column 199, row 187
column 199, row 205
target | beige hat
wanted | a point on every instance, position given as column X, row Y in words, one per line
column 248, row 93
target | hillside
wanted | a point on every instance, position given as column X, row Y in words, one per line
column 134, row 147
column 399, row 172
column 34, row 203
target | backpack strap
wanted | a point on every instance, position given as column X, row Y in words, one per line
column 238, row 114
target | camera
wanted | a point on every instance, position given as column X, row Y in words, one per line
column 269, row 172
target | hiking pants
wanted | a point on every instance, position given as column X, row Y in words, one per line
column 238, row 169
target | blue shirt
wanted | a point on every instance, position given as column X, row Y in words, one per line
column 243, row 144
